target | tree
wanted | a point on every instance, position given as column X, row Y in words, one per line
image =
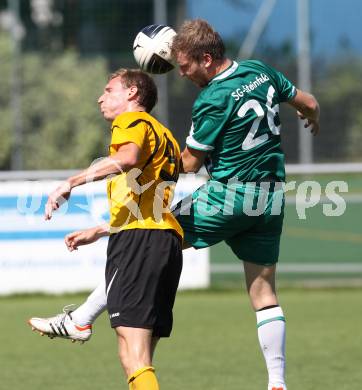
column 62, row 127
column 340, row 97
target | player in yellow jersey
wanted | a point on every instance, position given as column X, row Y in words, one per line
column 157, row 167
column 144, row 255
column 154, row 174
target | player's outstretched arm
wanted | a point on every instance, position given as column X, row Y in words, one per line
column 125, row 159
column 307, row 109
column 84, row 237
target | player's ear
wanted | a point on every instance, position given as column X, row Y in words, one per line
column 132, row 92
column 207, row 59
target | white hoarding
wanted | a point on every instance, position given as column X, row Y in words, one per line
column 33, row 257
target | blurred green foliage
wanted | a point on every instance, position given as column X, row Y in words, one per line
column 340, row 96
column 62, row 126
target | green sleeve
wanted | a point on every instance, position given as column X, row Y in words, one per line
column 285, row 88
column 208, row 121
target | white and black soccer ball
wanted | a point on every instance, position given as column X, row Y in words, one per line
column 152, row 48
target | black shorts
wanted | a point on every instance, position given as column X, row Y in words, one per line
column 142, row 275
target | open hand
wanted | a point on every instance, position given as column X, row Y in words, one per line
column 312, row 123
column 56, row 199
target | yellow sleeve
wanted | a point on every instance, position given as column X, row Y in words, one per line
column 135, row 134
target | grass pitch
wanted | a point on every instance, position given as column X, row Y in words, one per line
column 213, row 346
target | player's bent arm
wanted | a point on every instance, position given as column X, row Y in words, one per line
column 123, row 160
column 101, row 230
column 308, row 108
column 306, row 104
column 84, row 237
column 192, row 159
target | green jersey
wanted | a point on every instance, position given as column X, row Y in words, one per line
column 236, row 120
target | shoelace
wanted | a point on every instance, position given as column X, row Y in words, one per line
column 69, row 308
column 60, row 318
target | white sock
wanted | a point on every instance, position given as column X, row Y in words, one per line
column 271, row 334
column 95, row 305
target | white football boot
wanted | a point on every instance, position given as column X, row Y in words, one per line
column 62, row 326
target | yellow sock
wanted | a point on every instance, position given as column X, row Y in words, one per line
column 143, row 379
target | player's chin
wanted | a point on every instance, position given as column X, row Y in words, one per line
column 200, row 83
column 106, row 116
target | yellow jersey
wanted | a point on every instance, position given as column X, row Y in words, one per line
column 141, row 198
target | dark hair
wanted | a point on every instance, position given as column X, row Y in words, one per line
column 147, row 90
column 197, row 37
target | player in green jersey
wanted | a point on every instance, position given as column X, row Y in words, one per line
column 236, row 130
column 235, row 125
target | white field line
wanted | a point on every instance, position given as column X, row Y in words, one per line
column 323, row 268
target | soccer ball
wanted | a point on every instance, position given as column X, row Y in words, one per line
column 152, row 48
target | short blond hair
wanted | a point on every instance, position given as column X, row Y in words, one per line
column 147, row 90
column 195, row 38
